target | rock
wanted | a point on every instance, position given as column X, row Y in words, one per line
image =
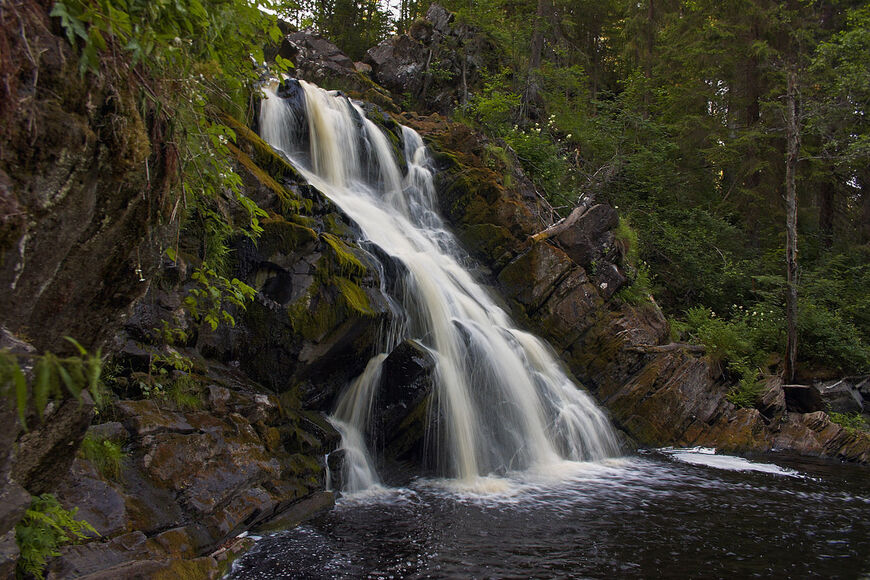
column 218, row 397
column 81, row 560
column 436, row 62
column 300, row 512
column 98, row 503
column 111, row 431
column 840, row 397
column 803, row 399
column 406, row 380
column 440, row 18
column 73, row 162
column 46, row 452
column 14, row 501
column 144, row 417
column 609, row 279
column 8, row 554
column 590, row 239
column 772, row 403
column 532, row 277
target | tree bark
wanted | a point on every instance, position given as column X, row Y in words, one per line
column 793, row 146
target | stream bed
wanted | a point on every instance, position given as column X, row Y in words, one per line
column 660, row 514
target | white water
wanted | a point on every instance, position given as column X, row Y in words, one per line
column 505, row 405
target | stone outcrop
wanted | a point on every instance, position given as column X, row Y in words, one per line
column 436, row 62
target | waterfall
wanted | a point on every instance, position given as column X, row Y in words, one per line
column 504, row 403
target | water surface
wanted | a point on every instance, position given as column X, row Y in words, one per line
column 657, row 515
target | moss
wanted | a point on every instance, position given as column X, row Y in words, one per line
column 288, row 200
column 266, row 157
column 354, row 296
column 197, row 569
column 312, row 315
column 347, row 260
column 284, row 237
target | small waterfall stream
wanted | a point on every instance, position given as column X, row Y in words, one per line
column 503, row 401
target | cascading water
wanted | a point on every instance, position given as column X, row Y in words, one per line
column 503, row 402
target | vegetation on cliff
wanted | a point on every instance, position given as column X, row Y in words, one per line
column 676, row 113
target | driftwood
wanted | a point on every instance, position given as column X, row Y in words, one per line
column 564, row 223
column 647, row 348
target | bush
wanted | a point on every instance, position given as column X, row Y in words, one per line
column 45, row 527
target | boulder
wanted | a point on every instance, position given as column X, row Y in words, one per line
column 46, row 452
column 840, row 396
column 406, row 380
column 590, row 240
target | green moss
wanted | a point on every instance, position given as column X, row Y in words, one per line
column 284, row 237
column 354, row 296
column 347, row 260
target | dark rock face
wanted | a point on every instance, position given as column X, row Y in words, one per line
column 406, row 382
column 435, row 62
column 842, row 396
column 78, row 223
column 591, row 240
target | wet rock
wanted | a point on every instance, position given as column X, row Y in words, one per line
column 532, row 277
column 406, row 380
column 98, row 503
column 803, row 399
column 300, row 512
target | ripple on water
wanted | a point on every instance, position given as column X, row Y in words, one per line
column 647, row 516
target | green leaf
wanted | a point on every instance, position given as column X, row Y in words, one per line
column 74, row 390
column 20, row 393
column 76, row 344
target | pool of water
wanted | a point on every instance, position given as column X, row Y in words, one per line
column 662, row 514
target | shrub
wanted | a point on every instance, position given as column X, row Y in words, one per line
column 45, row 527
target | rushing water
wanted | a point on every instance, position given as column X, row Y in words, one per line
column 502, row 401
column 651, row 516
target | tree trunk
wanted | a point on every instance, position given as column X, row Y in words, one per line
column 530, row 94
column 793, row 145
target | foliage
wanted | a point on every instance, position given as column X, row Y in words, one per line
column 45, row 527
column 105, row 455
column 850, row 421
column 208, row 302
column 52, row 378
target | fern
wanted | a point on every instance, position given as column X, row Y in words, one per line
column 45, row 527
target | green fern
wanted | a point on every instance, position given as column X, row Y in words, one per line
column 45, row 527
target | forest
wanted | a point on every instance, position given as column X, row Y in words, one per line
column 677, row 114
